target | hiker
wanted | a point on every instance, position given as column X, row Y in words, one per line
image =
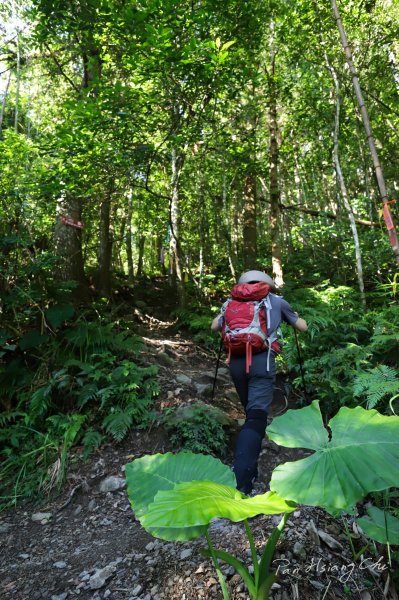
column 249, row 322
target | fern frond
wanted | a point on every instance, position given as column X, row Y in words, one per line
column 87, row 393
column 118, row 423
column 40, row 401
column 375, row 384
column 8, row 417
column 91, row 441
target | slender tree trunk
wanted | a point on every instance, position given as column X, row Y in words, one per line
column 344, row 193
column 227, row 223
column 235, row 225
column 202, row 238
column 4, row 101
column 140, row 260
column 105, row 247
column 176, row 260
column 129, row 237
column 18, row 83
column 277, row 266
column 366, row 122
column 249, row 226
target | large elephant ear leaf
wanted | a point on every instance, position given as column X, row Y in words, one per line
column 150, row 474
column 361, row 456
column 381, row 526
column 194, row 504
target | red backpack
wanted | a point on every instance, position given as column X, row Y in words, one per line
column 247, row 320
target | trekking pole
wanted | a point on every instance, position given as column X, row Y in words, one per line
column 217, row 367
column 301, row 368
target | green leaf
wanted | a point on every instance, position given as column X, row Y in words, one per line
column 147, row 475
column 338, row 474
column 227, row 45
column 32, row 339
column 59, row 313
column 196, row 503
column 311, row 435
column 381, row 526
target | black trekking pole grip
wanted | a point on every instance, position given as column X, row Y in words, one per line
column 301, row 367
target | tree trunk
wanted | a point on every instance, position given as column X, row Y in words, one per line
column 140, row 260
column 4, row 101
column 342, row 185
column 68, row 244
column 18, row 83
column 249, row 226
column 366, row 122
column 105, row 247
column 227, row 223
column 277, row 266
column 175, row 254
column 129, row 238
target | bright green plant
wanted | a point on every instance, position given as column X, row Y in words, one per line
column 376, row 384
column 337, row 475
column 175, row 497
column 380, row 525
column 198, row 427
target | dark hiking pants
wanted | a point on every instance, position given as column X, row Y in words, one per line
column 255, row 390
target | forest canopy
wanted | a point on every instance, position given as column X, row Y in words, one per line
column 182, row 143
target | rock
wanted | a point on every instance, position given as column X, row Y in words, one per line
column 137, row 590
column 24, row 556
column 204, row 389
column 107, row 594
column 42, row 517
column 100, row 577
column 112, row 484
column 330, row 541
column 317, row 584
column 5, row 527
column 59, row 596
column 92, row 505
column 224, row 371
column 60, row 564
column 299, row 550
column 185, row 554
column 164, row 359
column 183, row 379
column 77, row 510
column 150, row 546
column 314, row 536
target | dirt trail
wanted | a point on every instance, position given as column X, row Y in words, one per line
column 87, row 543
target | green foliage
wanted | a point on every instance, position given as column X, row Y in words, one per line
column 175, row 497
column 198, row 322
column 198, row 427
column 75, row 389
column 380, row 526
column 376, row 384
column 348, row 355
column 337, row 475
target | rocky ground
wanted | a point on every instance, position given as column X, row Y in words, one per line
column 87, row 543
